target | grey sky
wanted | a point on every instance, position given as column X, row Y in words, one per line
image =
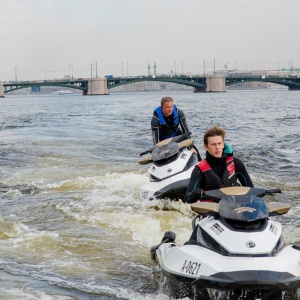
column 44, row 38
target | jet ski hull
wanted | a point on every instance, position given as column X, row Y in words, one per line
column 204, row 268
column 170, row 180
column 235, row 244
column 173, row 187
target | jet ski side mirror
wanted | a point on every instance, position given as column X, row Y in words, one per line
column 185, row 143
column 205, row 207
column 145, row 159
column 278, row 208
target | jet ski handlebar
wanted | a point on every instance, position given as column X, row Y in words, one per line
column 175, row 139
column 241, row 196
column 218, row 194
column 273, row 191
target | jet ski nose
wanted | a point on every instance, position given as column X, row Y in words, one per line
column 169, row 237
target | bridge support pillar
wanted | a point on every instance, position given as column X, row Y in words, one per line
column 215, row 83
column 1, row 89
column 97, row 86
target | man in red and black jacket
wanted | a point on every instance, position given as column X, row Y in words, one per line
column 219, row 168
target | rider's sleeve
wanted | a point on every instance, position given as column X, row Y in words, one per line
column 155, row 129
column 195, row 184
column 242, row 174
column 183, row 123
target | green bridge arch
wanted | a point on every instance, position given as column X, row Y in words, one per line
column 197, row 82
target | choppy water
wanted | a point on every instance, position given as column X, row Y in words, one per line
column 72, row 225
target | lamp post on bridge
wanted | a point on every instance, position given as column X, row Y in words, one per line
column 214, row 66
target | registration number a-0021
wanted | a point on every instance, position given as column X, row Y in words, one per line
column 190, row 267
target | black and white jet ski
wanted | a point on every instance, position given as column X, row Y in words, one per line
column 171, row 166
column 234, row 245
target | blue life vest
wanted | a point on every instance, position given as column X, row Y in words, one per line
column 166, row 130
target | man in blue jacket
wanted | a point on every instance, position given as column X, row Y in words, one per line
column 168, row 121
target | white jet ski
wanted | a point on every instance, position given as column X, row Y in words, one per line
column 170, row 171
column 234, row 245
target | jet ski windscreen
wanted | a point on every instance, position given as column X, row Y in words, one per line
column 243, row 208
column 165, row 151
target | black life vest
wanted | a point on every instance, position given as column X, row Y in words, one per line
column 213, row 181
column 168, row 131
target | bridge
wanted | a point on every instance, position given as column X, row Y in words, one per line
column 199, row 83
column 292, row 82
column 100, row 86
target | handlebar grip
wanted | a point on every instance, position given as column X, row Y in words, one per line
column 143, row 153
column 273, row 191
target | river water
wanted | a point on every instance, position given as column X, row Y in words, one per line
column 72, row 225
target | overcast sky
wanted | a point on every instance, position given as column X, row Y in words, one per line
column 46, row 39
